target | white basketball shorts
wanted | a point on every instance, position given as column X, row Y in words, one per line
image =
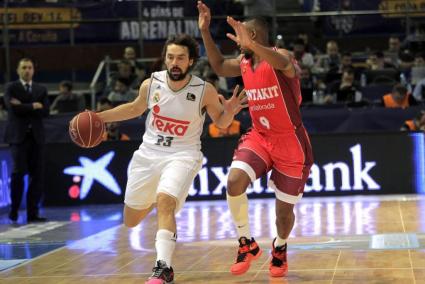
column 151, row 171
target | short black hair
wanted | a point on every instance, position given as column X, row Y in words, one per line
column 25, row 59
column 400, row 88
column 348, row 70
column 259, row 22
column 66, row 84
column 183, row 40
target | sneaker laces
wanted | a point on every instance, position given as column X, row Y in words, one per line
column 276, row 261
column 279, row 256
column 244, row 247
column 158, row 270
column 241, row 257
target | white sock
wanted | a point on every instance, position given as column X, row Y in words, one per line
column 278, row 242
column 165, row 243
column 238, row 206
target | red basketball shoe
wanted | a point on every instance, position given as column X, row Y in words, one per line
column 247, row 252
column 278, row 265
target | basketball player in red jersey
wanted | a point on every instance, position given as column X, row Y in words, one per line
column 277, row 141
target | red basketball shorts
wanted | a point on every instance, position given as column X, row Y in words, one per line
column 288, row 156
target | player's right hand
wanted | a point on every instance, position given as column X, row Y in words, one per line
column 204, row 19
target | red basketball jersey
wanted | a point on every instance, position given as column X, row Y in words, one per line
column 273, row 98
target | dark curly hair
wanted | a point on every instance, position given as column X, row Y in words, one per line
column 183, row 40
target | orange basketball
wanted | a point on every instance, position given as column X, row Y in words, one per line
column 86, row 129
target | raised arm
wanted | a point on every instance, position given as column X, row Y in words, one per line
column 129, row 110
column 220, row 110
column 280, row 59
column 223, row 67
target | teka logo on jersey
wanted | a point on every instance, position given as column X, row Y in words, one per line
column 170, row 125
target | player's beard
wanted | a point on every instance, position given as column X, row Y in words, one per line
column 177, row 76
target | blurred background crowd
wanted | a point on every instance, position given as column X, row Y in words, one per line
column 358, row 58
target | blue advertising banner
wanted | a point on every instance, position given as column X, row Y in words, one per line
column 346, row 164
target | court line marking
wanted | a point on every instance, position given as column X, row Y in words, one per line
column 30, row 230
column 408, row 241
column 336, row 266
column 261, row 268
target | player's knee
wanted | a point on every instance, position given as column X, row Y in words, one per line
column 166, row 204
column 132, row 217
column 130, row 223
column 236, row 185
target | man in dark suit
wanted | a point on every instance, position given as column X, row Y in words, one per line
column 27, row 104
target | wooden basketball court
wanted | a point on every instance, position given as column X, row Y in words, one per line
column 335, row 240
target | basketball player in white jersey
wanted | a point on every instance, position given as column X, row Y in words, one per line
column 163, row 168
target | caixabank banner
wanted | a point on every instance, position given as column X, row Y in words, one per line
column 346, row 164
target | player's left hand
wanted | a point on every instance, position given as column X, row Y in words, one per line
column 242, row 36
column 236, row 102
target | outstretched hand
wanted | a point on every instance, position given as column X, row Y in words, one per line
column 204, row 18
column 236, row 102
column 242, row 36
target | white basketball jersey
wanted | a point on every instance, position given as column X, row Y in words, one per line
column 176, row 119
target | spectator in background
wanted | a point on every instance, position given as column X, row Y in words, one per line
column 398, row 98
column 376, row 61
column 130, row 56
column 234, row 129
column 113, row 133
column 418, row 70
column 419, row 91
column 309, row 47
column 335, row 73
column 300, row 54
column 212, row 78
column 346, row 62
column 121, row 92
column 67, row 101
column 415, row 124
column 125, row 70
column 3, row 111
column 141, row 74
column 307, row 85
column 138, row 69
column 330, row 60
column 27, row 105
column 103, row 104
column 407, row 60
column 345, row 90
column 393, row 51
